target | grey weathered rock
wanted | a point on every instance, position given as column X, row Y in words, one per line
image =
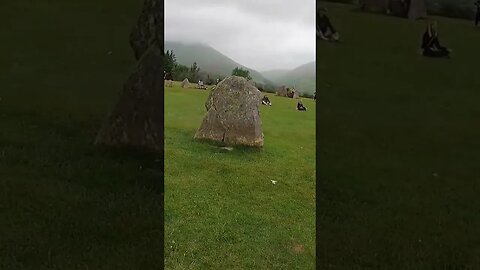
column 233, row 116
column 290, row 93
column 185, row 83
column 137, row 119
column 282, row 91
column 296, row 94
column 149, row 28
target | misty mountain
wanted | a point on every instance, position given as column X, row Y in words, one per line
column 209, row 60
column 301, row 78
column 274, row 75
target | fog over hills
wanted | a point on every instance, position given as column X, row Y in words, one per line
column 215, row 63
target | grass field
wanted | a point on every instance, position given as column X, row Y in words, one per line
column 398, row 146
column 221, row 209
column 63, row 203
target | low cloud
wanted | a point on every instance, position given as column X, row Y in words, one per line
column 263, row 35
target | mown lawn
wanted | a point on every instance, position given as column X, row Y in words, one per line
column 221, row 209
column 398, row 146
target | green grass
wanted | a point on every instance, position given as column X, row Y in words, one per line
column 221, row 209
column 398, row 148
column 397, row 155
column 63, row 203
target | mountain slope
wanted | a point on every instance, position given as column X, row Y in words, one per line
column 209, row 60
column 301, row 78
column 275, row 75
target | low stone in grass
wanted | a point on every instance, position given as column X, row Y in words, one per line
column 299, row 248
column 233, row 116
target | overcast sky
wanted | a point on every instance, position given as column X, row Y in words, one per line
column 261, row 34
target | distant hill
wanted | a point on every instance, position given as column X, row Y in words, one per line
column 301, row 78
column 275, row 75
column 209, row 60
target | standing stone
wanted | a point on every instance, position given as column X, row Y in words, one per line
column 137, row 119
column 185, row 83
column 296, row 94
column 149, row 29
column 233, row 116
column 282, row 91
column 290, row 93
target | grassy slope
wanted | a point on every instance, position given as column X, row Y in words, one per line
column 222, row 211
column 63, row 204
column 274, row 74
column 302, row 77
column 398, row 146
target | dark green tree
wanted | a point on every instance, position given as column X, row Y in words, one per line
column 194, row 72
column 180, row 72
column 170, row 61
column 209, row 80
column 241, row 73
column 194, row 68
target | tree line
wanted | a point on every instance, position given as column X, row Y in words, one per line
column 193, row 73
column 179, row 71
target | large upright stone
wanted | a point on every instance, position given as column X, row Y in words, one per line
column 233, row 116
column 148, row 29
column 137, row 119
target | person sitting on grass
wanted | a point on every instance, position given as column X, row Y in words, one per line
column 325, row 28
column 300, row 106
column 266, row 101
column 430, row 45
column 201, row 85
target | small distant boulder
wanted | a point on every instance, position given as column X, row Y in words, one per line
column 233, row 116
column 185, row 83
column 296, row 94
column 290, row 93
column 282, row 91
